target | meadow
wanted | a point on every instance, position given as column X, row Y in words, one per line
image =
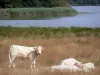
column 46, row 32
column 83, row 44
column 36, row 13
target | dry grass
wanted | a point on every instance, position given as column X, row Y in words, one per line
column 85, row 49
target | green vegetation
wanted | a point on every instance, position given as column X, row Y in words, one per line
column 84, row 2
column 45, row 3
column 35, row 9
column 33, row 3
column 36, row 13
column 45, row 33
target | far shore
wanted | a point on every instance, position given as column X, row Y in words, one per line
column 35, row 13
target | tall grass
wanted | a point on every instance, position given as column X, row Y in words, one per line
column 45, row 33
column 55, row 51
column 38, row 13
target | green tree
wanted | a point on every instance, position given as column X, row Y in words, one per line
column 3, row 3
column 15, row 3
column 31, row 3
column 59, row 3
column 85, row 2
column 46, row 3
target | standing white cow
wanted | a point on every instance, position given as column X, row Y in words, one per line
column 24, row 52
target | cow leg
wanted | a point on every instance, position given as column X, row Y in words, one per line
column 33, row 61
column 10, row 65
column 12, row 62
column 33, row 65
column 21, row 60
column 31, row 58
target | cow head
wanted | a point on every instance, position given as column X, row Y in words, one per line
column 79, row 64
column 39, row 49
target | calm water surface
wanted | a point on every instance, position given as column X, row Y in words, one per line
column 89, row 19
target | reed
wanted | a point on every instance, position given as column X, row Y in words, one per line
column 38, row 13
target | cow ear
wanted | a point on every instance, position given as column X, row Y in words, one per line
column 43, row 48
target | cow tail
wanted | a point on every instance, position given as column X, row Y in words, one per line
column 9, row 57
column 10, row 54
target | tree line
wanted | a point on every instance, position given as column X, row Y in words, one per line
column 32, row 3
column 45, row 3
column 84, row 2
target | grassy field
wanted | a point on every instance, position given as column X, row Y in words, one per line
column 36, row 13
column 84, row 49
column 83, row 44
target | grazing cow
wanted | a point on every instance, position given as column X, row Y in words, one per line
column 24, row 52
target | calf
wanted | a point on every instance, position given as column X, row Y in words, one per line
column 24, row 52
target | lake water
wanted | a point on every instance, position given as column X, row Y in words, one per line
column 91, row 18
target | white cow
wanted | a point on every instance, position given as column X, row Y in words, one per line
column 73, row 65
column 24, row 52
column 70, row 68
column 72, row 62
column 68, row 64
column 88, row 67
